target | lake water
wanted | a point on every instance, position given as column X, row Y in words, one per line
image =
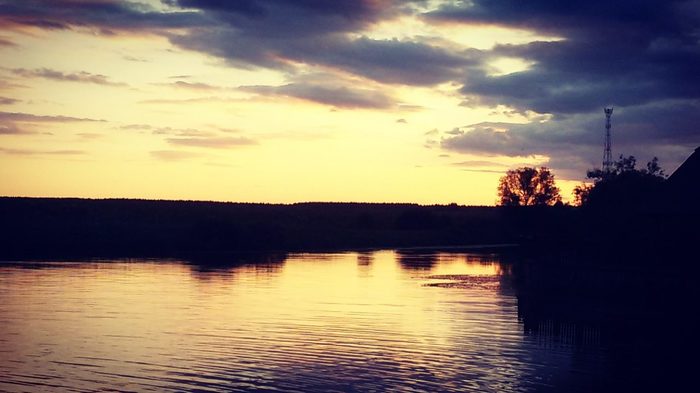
column 376, row 321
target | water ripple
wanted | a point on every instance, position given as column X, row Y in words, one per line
column 315, row 323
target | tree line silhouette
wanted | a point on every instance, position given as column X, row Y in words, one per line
column 626, row 211
column 624, row 184
column 56, row 227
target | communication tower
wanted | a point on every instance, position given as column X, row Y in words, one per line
column 607, row 153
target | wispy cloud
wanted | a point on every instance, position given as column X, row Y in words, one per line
column 214, row 143
column 187, row 101
column 10, row 129
column 8, row 101
column 336, row 96
column 193, row 86
column 134, row 59
column 185, row 132
column 28, row 117
column 5, row 42
column 80, row 76
column 7, row 85
column 90, row 135
column 173, row 155
column 138, row 127
column 479, row 163
column 30, row 152
column 15, row 122
column 171, row 131
column 483, row 170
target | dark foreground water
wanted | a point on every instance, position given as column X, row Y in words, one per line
column 382, row 321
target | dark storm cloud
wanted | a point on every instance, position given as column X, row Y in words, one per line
column 104, row 15
column 620, row 52
column 641, row 56
column 574, row 142
column 394, row 61
column 264, row 33
column 388, row 61
column 352, row 10
column 279, row 34
column 516, row 140
column 279, row 18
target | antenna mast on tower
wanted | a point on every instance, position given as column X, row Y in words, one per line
column 607, row 153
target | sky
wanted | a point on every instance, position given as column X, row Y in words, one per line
column 283, row 101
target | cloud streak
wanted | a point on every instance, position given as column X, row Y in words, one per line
column 197, row 86
column 213, row 142
column 6, row 43
column 13, row 123
column 173, row 155
column 336, row 96
column 8, row 101
column 30, row 152
column 30, row 118
column 104, row 16
column 81, row 76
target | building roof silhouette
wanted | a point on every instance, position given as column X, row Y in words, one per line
column 685, row 181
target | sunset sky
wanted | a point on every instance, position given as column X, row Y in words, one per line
column 426, row 101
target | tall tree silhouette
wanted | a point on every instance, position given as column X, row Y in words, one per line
column 528, row 187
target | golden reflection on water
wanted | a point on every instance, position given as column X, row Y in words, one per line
column 359, row 321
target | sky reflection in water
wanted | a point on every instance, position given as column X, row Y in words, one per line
column 349, row 322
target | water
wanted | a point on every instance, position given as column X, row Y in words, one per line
column 307, row 322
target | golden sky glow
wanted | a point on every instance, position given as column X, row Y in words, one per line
column 144, row 118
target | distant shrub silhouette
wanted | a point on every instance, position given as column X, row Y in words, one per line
column 624, row 186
